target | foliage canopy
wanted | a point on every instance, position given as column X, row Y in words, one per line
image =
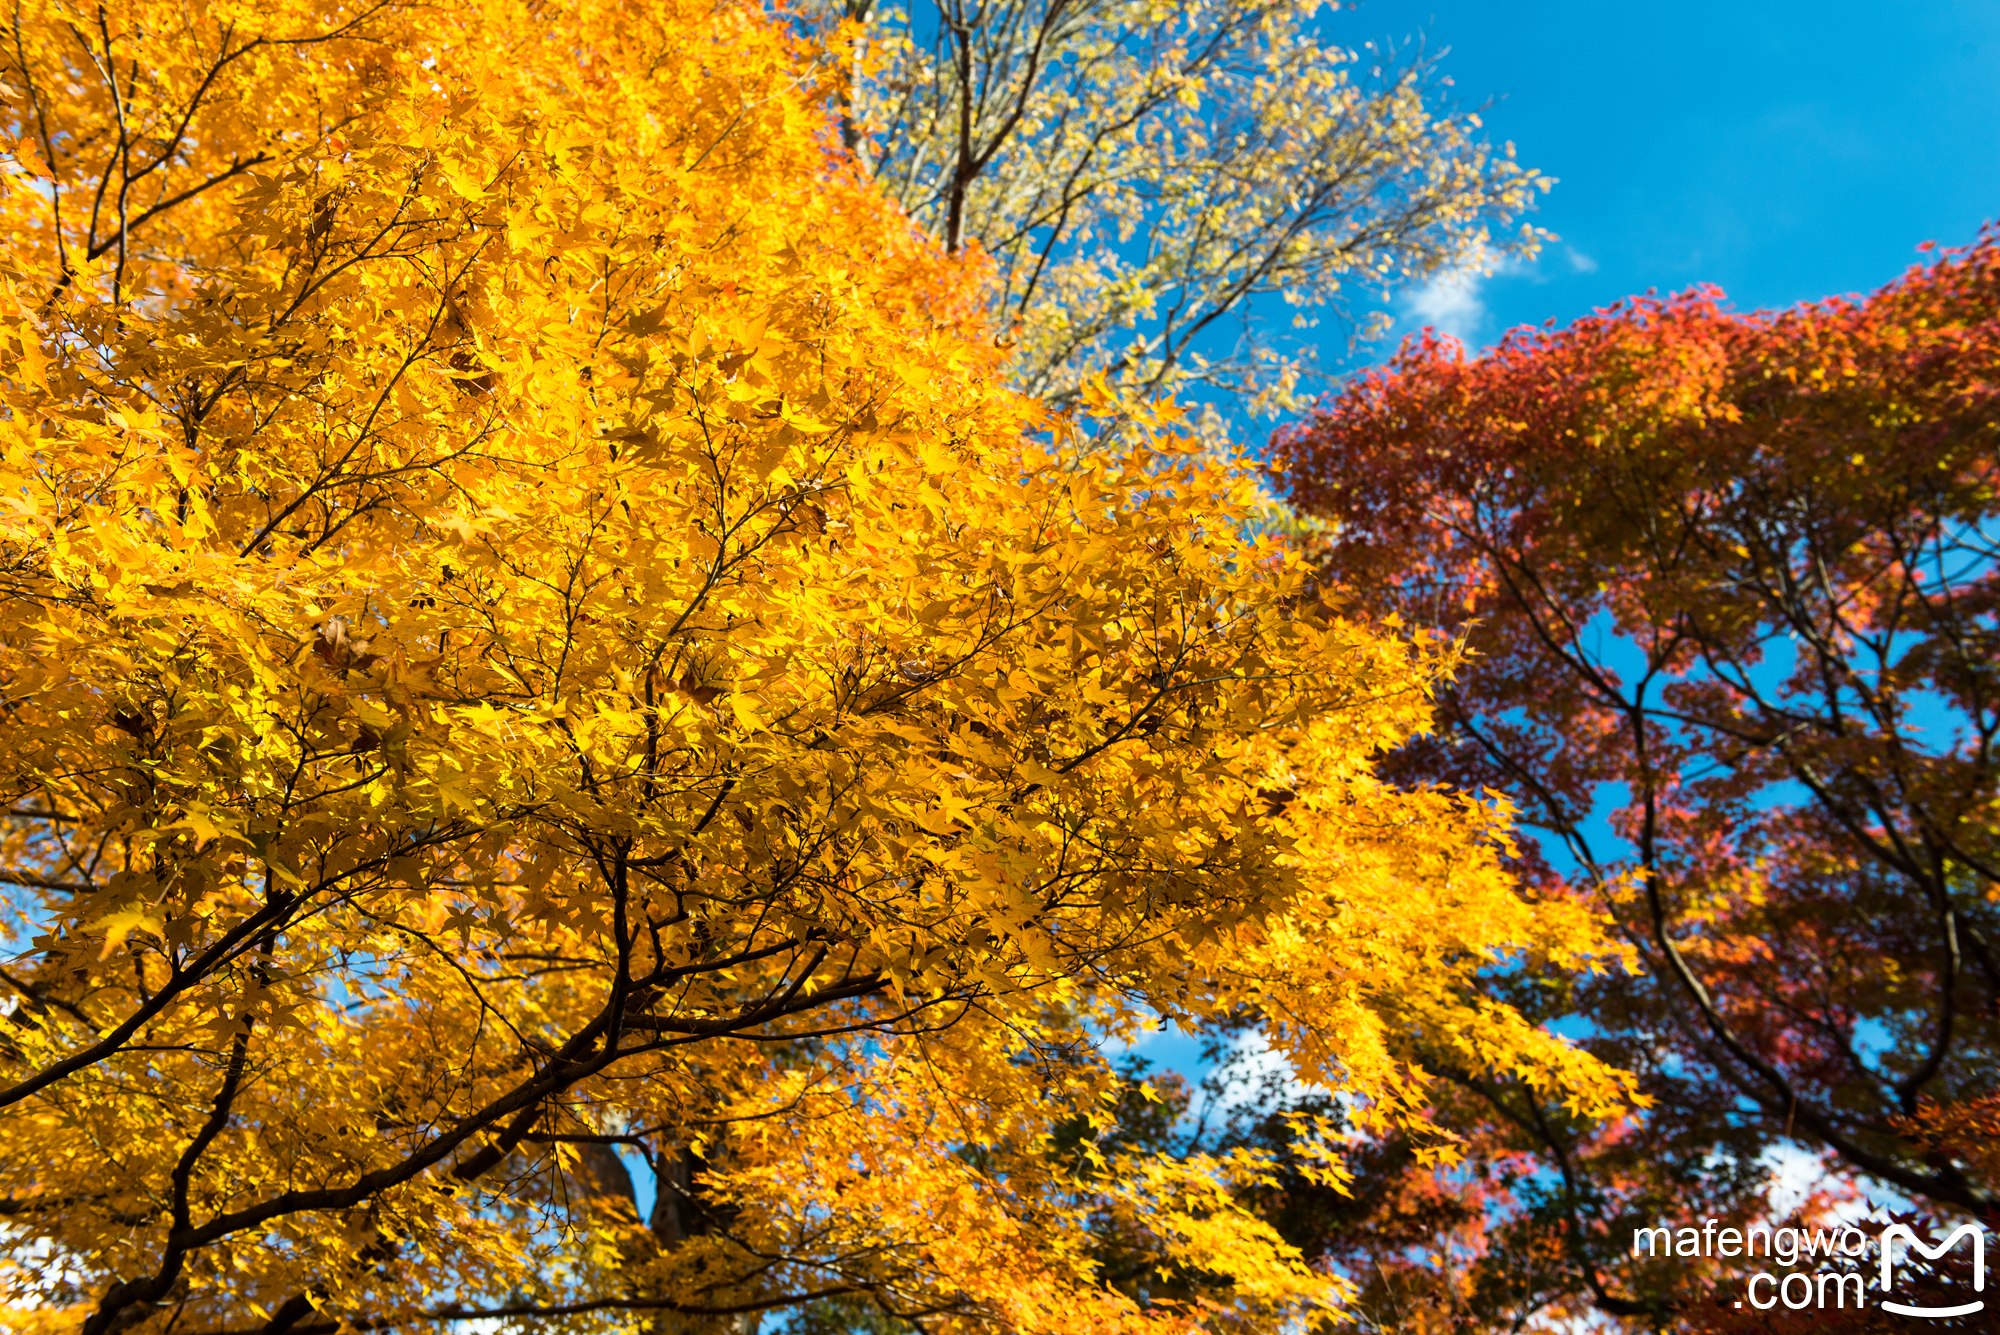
column 1143, row 175
column 1732, row 577
column 534, row 645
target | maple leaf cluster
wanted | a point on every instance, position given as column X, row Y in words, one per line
column 1730, row 591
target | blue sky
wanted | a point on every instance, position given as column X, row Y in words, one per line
column 1784, row 151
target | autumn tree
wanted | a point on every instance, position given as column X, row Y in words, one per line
column 537, row 649
column 1141, row 175
column 1728, row 582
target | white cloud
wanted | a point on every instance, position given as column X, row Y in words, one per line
column 1578, row 261
column 1450, row 303
column 1453, row 302
column 1797, row 1172
column 1255, row 1071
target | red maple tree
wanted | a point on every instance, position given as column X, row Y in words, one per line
column 1729, row 582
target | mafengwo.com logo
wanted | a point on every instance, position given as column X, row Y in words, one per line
column 1821, row 1288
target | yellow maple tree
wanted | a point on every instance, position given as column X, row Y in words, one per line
column 535, row 643
column 1141, row 174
